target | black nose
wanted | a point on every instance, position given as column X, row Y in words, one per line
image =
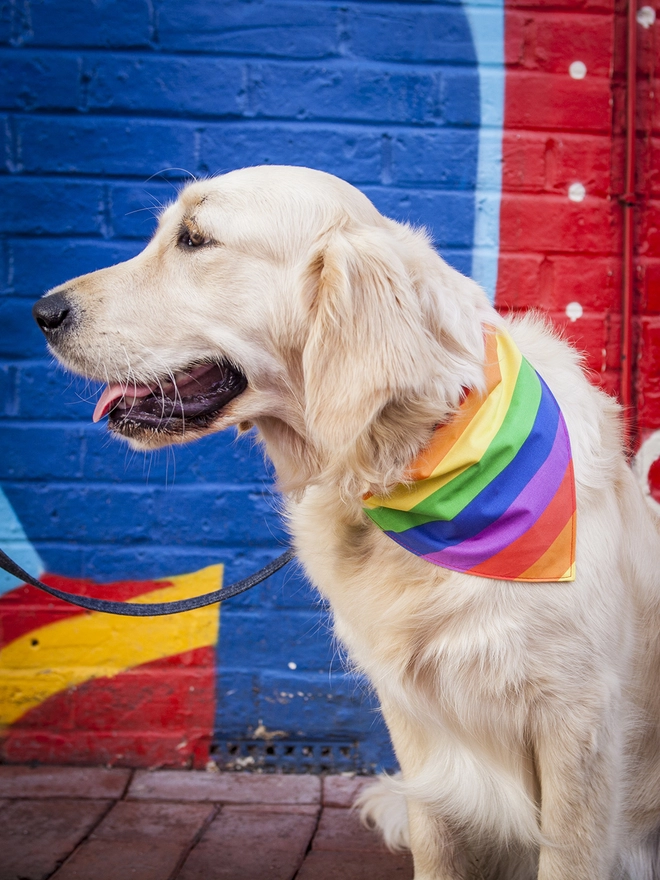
column 53, row 312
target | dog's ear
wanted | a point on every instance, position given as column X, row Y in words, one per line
column 368, row 344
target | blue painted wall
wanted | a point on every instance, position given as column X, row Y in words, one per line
column 96, row 97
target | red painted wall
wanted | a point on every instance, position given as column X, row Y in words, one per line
column 647, row 245
column 560, row 131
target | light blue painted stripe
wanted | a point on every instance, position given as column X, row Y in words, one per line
column 486, row 20
column 15, row 543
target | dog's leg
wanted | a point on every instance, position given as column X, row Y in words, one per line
column 579, row 802
column 438, row 853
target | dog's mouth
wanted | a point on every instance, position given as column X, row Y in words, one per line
column 193, row 398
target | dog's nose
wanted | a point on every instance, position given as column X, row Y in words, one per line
column 53, row 312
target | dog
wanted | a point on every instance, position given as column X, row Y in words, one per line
column 524, row 713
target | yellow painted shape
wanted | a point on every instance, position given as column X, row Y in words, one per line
column 97, row 645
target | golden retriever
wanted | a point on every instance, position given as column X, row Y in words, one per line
column 524, row 715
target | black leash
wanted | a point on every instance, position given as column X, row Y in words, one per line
column 150, row 609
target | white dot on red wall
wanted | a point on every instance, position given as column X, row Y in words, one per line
column 574, row 311
column 646, row 16
column 576, row 192
column 578, row 70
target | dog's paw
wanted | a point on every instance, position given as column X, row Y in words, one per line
column 385, row 811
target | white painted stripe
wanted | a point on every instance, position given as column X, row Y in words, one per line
column 16, row 544
column 486, row 18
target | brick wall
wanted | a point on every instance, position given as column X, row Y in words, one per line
column 560, row 225
column 95, row 98
column 497, row 127
column 562, row 179
column 647, row 259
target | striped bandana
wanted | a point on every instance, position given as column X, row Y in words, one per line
column 493, row 493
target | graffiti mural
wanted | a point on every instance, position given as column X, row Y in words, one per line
column 491, row 124
column 89, row 687
column 95, row 102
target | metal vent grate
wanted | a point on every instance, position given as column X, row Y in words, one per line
column 286, row 756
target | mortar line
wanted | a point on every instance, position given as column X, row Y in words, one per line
column 83, row 840
column 201, row 831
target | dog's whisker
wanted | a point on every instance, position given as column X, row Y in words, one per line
column 149, row 208
column 177, row 396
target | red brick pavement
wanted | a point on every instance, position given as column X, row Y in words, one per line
column 89, row 823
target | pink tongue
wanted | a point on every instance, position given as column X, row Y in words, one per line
column 113, row 393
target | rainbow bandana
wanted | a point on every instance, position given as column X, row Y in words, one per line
column 493, row 494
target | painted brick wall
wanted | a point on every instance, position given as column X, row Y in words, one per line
column 497, row 126
column 95, row 98
column 560, row 223
column 562, row 178
column 647, row 254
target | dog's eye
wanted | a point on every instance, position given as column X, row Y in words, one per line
column 192, row 238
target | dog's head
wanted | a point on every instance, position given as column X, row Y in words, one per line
column 271, row 296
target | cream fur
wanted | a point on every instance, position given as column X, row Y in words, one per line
column 524, row 716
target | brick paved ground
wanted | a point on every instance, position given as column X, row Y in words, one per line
column 89, row 823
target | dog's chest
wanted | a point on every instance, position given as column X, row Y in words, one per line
column 416, row 630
